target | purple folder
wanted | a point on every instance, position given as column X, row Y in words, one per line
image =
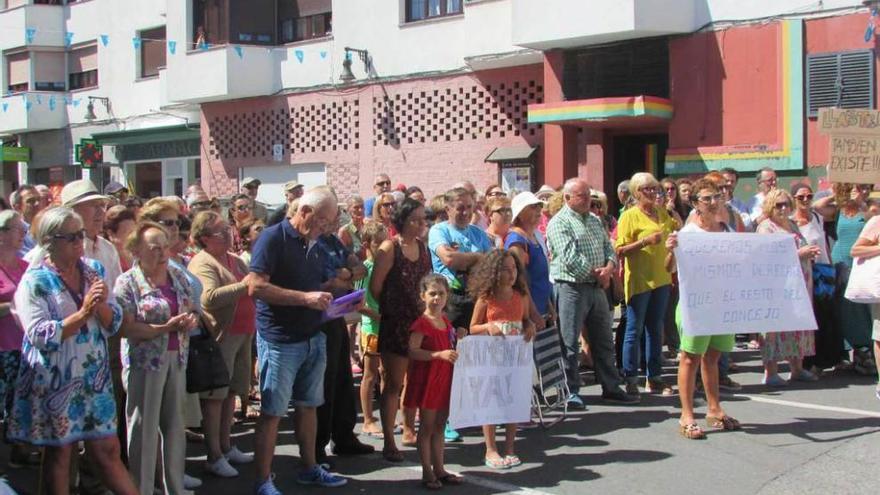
column 341, row 306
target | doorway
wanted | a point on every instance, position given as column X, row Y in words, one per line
column 631, row 154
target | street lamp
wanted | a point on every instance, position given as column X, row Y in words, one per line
column 364, row 55
column 90, row 108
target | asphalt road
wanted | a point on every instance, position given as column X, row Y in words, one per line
column 821, row 438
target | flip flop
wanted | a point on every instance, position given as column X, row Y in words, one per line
column 499, row 463
column 512, row 460
column 432, row 484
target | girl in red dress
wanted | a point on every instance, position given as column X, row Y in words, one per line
column 499, row 287
column 429, row 379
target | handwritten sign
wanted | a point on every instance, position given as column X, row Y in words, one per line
column 855, row 144
column 492, row 381
column 741, row 283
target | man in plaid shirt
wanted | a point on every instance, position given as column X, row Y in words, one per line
column 581, row 266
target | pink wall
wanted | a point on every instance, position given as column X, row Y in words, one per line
column 724, row 87
column 833, row 34
column 433, row 133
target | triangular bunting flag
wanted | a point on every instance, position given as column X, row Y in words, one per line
column 299, row 55
column 239, row 51
column 136, row 43
column 29, row 35
column 105, row 39
column 5, row 106
column 172, row 47
column 68, row 39
column 323, row 54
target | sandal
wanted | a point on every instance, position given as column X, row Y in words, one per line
column 434, row 484
column 512, row 460
column 659, row 386
column 499, row 463
column 451, row 479
column 726, row 423
column 691, row 431
column 392, row 455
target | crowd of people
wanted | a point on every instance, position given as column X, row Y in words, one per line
column 103, row 295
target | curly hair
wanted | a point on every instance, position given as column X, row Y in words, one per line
column 483, row 280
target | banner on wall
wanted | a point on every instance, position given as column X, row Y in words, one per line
column 854, row 144
column 491, row 382
column 741, row 283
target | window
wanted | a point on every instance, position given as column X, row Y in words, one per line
column 82, row 68
column 417, row 10
column 18, row 72
column 152, row 51
column 49, row 74
column 304, row 19
column 210, row 22
column 842, row 80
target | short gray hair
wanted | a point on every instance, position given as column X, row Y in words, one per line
column 51, row 223
column 570, row 183
column 318, row 197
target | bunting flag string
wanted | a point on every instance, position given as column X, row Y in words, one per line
column 172, row 47
column 29, row 35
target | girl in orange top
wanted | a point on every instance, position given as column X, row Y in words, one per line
column 502, row 308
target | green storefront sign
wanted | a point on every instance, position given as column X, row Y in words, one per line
column 14, row 154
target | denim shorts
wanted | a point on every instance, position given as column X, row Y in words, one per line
column 293, row 370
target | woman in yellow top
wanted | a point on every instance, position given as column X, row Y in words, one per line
column 641, row 244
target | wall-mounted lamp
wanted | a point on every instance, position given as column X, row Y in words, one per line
column 347, row 75
column 90, row 108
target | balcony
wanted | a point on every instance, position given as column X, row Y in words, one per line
column 223, row 73
column 32, row 111
column 571, row 23
column 46, row 21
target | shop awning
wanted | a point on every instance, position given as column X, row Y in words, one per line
column 511, row 154
column 604, row 112
column 164, row 134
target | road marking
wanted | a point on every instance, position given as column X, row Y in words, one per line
column 490, row 484
column 805, row 405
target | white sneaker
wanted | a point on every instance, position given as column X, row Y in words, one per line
column 191, row 483
column 221, row 468
column 236, row 456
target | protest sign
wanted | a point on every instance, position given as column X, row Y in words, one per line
column 492, row 381
column 741, row 283
column 854, row 144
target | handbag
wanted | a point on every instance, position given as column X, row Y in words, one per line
column 864, row 281
column 824, row 281
column 205, row 369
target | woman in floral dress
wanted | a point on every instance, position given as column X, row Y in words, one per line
column 787, row 346
column 64, row 394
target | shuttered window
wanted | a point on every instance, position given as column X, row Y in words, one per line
column 842, row 80
column 82, row 67
column 18, row 71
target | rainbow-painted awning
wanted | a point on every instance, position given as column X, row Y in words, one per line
column 627, row 108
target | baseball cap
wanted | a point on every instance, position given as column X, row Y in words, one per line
column 114, row 187
column 291, row 185
column 250, row 181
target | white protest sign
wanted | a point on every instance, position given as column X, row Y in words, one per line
column 491, row 382
column 855, row 144
column 741, row 283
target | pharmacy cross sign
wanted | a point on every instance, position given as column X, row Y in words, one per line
column 89, row 153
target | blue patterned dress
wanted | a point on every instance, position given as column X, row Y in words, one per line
column 63, row 393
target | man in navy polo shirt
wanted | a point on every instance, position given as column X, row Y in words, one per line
column 288, row 272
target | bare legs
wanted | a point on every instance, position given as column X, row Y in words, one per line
column 217, row 414
column 306, row 424
column 368, row 385
column 687, row 372
column 393, row 374
column 432, row 443
column 104, row 452
column 492, row 453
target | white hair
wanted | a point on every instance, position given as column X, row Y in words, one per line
column 568, row 187
column 318, row 197
column 50, row 223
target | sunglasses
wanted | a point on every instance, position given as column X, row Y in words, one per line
column 709, row 199
column 497, row 193
column 384, row 183
column 781, row 206
column 503, row 211
column 170, row 223
column 649, row 189
column 72, row 237
column 804, row 197
column 670, row 189
column 243, row 208
column 387, row 205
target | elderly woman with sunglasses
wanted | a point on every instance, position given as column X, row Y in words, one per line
column 641, row 236
column 787, row 346
column 64, row 394
column 230, row 316
column 159, row 310
column 702, row 352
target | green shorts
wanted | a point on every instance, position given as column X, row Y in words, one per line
column 700, row 344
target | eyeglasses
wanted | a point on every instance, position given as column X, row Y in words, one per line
column 709, row 198
column 501, row 194
column 384, row 183
column 170, row 223
column 804, row 197
column 72, row 237
column 782, row 206
column 157, row 248
column 243, row 208
column 201, row 204
column 649, row 189
column 32, row 201
column 503, row 211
